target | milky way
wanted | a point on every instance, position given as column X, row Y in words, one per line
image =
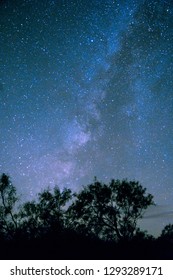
column 86, row 90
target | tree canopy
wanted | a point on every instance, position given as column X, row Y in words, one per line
column 110, row 211
column 48, row 213
column 8, row 198
column 60, row 223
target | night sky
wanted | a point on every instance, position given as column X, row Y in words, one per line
column 86, row 89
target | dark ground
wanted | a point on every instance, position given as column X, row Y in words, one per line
column 69, row 245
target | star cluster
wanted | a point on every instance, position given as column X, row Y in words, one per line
column 86, row 90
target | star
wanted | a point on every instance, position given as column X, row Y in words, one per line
column 86, row 90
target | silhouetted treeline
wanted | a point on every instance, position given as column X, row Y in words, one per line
column 98, row 222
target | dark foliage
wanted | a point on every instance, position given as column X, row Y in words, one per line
column 48, row 214
column 8, row 198
column 99, row 222
column 109, row 211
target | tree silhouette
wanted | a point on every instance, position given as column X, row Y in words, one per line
column 46, row 214
column 110, row 211
column 8, row 198
column 167, row 233
column 59, row 224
